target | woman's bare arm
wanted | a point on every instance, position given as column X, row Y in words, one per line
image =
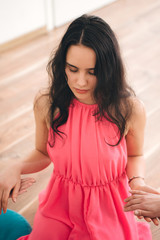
column 135, row 142
column 36, row 161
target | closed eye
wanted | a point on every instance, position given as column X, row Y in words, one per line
column 73, row 70
column 71, row 67
column 92, row 72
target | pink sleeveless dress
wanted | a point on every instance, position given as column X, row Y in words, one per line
column 85, row 196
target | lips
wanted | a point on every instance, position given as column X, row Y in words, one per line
column 81, row 91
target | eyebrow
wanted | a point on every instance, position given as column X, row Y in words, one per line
column 77, row 67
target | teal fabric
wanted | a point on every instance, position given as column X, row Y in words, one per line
column 13, row 226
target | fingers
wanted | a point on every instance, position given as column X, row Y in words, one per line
column 139, row 192
column 140, row 217
column 155, row 221
column 132, row 199
column 15, row 191
column 146, row 214
column 132, row 208
column 139, row 214
column 22, row 191
column 18, row 189
column 132, row 204
column 135, row 194
column 4, row 195
column 25, row 186
column 1, row 193
column 29, row 179
column 4, row 201
column 26, row 183
column 147, row 219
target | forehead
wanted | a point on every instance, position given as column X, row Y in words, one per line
column 81, row 56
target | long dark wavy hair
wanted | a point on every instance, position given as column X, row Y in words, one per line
column 112, row 91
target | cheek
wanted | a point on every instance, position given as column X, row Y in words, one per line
column 70, row 78
column 94, row 83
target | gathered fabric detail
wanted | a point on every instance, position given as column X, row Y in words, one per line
column 118, row 178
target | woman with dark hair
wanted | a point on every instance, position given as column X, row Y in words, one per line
column 91, row 126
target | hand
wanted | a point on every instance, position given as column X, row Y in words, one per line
column 147, row 188
column 144, row 204
column 9, row 180
column 140, row 185
column 24, row 184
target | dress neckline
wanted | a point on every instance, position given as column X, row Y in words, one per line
column 75, row 101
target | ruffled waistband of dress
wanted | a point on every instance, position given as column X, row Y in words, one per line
column 101, row 184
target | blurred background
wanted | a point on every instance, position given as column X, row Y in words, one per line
column 20, row 17
column 30, row 30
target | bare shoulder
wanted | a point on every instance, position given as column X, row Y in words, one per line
column 42, row 105
column 138, row 108
column 138, row 113
column 41, row 101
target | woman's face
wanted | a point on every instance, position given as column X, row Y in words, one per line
column 80, row 71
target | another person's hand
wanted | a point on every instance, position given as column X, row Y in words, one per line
column 9, row 181
column 144, row 204
column 149, row 189
column 139, row 184
column 24, row 185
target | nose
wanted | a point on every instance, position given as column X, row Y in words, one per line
column 81, row 80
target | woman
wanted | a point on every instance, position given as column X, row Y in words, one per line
column 86, row 126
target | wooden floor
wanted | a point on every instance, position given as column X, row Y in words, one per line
column 23, row 73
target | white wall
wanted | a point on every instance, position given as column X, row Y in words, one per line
column 19, row 17
column 66, row 10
